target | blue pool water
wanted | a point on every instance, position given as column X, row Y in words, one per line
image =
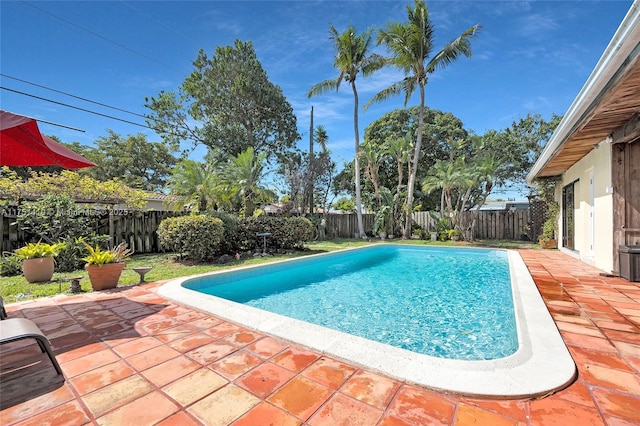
column 449, row 303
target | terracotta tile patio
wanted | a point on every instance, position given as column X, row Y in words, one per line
column 131, row 357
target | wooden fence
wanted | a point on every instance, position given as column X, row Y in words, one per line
column 489, row 225
column 138, row 228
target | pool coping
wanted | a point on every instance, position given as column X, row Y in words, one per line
column 541, row 365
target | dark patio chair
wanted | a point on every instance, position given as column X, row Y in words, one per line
column 14, row 329
column 3, row 312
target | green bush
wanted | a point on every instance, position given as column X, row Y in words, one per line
column 229, row 243
column 53, row 218
column 195, row 237
column 286, row 232
column 10, row 265
column 57, row 217
column 71, row 258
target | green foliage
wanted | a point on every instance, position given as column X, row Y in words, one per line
column 286, row 232
column 139, row 163
column 345, row 205
column 547, row 188
column 519, row 145
column 54, row 217
column 411, row 47
column 98, row 256
column 380, row 222
column 232, row 96
column 228, row 243
column 71, row 257
column 197, row 186
column 452, row 233
column 39, row 249
column 196, row 237
column 71, row 184
column 242, row 177
column 10, row 265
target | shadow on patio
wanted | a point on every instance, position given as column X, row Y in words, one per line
column 131, row 357
column 73, row 325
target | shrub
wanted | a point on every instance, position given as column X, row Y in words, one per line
column 10, row 264
column 57, row 217
column 71, row 257
column 229, row 243
column 53, row 218
column 195, row 237
column 286, row 232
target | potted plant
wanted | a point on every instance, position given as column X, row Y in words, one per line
column 454, row 234
column 547, row 189
column 105, row 266
column 37, row 260
column 548, row 238
column 380, row 221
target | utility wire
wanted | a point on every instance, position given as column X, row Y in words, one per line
column 155, row 19
column 75, row 107
column 115, row 43
column 98, row 113
column 73, row 96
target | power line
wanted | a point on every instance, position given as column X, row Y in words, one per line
column 156, row 20
column 75, row 107
column 73, row 96
column 115, row 43
column 103, row 115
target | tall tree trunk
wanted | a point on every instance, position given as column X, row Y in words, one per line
column 311, row 160
column 357, row 162
column 411, row 184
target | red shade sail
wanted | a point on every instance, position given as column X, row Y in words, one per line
column 22, row 144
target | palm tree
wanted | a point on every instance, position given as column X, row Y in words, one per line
column 448, row 176
column 197, row 184
column 373, row 157
column 321, row 137
column 352, row 57
column 242, row 175
column 411, row 45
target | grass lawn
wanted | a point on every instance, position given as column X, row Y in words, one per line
column 165, row 266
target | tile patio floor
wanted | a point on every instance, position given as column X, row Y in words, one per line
column 131, row 357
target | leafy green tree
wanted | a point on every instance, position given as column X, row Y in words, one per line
column 411, row 46
column 352, row 57
column 520, row 145
column 138, row 162
column 243, row 176
column 345, row 205
column 227, row 103
column 393, row 135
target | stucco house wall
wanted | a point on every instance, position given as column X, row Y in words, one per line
column 597, row 162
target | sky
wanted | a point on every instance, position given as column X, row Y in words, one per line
column 529, row 57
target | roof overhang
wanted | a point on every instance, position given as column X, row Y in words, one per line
column 608, row 100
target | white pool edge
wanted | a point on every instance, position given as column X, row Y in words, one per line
column 542, row 364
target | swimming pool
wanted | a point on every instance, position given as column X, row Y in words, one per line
column 540, row 364
column 449, row 303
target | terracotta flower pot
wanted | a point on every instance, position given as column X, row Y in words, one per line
column 548, row 244
column 105, row 276
column 38, row 270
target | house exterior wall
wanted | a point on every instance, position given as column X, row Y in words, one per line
column 597, row 161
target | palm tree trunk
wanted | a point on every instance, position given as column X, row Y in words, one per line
column 357, row 162
column 411, row 184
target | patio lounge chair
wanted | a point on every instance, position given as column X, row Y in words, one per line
column 14, row 329
column 3, row 311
